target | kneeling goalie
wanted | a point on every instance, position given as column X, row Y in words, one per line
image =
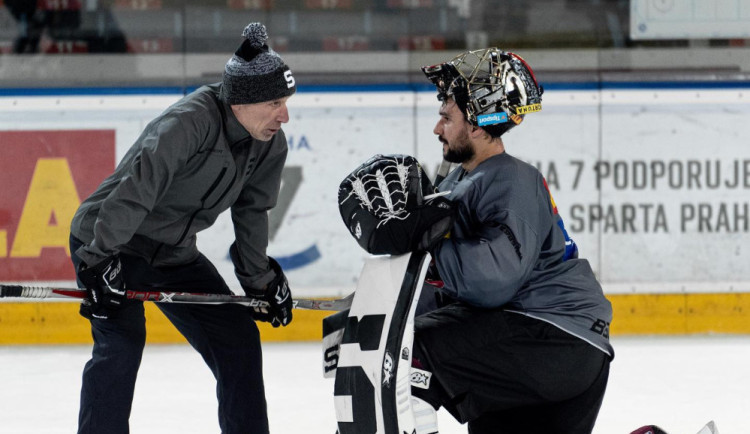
column 511, row 333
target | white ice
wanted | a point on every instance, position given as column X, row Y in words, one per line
column 678, row 383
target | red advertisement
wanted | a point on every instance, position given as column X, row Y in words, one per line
column 138, row 5
column 346, row 43
column 44, row 176
column 59, row 5
column 150, row 45
column 423, row 43
column 250, row 4
column 328, row 4
column 63, row 46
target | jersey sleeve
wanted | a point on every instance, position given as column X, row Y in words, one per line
column 487, row 270
column 250, row 216
column 495, row 247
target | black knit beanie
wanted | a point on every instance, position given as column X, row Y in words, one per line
column 256, row 73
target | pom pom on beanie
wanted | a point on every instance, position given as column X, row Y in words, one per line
column 256, row 73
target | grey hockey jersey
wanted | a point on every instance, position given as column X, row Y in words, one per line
column 507, row 250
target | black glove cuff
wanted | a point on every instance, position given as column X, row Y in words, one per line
column 90, row 276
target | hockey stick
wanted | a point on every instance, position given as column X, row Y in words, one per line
column 20, row 291
column 442, row 172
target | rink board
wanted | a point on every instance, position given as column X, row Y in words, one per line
column 59, row 323
column 634, row 314
column 663, row 219
column 651, row 206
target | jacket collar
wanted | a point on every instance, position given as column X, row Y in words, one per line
column 234, row 130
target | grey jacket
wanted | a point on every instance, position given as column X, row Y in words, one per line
column 506, row 250
column 190, row 164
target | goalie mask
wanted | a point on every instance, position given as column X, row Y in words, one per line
column 493, row 88
column 383, row 204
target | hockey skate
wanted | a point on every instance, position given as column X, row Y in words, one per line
column 709, row 428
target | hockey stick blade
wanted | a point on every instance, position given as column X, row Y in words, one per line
column 709, row 428
column 20, row 291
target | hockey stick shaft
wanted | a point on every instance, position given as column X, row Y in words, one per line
column 442, row 172
column 21, row 291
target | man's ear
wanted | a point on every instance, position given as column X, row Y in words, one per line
column 475, row 132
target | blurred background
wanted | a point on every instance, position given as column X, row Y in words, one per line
column 643, row 139
column 581, row 39
column 643, row 135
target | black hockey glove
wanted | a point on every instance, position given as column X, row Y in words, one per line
column 384, row 205
column 277, row 295
column 105, row 287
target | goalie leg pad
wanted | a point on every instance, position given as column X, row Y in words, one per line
column 372, row 390
column 425, row 416
column 333, row 334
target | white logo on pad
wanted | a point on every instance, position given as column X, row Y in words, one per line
column 420, row 378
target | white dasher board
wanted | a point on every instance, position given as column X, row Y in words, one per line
column 690, row 19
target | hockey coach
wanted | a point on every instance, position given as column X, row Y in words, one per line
column 519, row 339
column 217, row 148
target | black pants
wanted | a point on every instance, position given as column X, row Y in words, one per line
column 503, row 372
column 225, row 335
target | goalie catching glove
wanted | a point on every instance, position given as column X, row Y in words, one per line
column 382, row 203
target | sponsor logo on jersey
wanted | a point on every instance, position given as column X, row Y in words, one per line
column 492, row 119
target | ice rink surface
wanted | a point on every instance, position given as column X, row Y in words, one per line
column 678, row 383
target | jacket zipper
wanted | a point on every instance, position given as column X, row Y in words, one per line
column 213, row 186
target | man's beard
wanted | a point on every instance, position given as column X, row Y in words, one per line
column 461, row 152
